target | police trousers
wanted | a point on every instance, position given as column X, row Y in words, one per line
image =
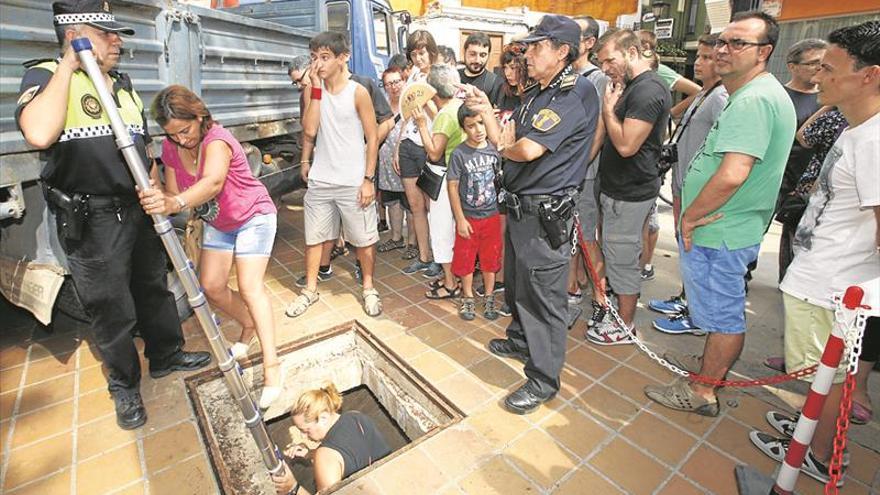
column 119, row 271
column 536, row 282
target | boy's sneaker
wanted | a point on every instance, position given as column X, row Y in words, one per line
column 677, row 325
column 785, row 424
column 608, row 333
column 775, row 448
column 435, row 270
column 648, row 273
column 417, row 266
column 599, row 314
column 504, row 310
column 467, row 310
column 481, row 291
column 489, row 312
column 672, row 306
column 575, row 298
column 322, row 277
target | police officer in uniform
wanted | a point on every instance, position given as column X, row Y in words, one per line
column 116, row 259
column 546, row 146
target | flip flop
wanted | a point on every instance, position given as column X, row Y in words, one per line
column 860, row 414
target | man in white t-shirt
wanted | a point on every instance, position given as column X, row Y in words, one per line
column 837, row 243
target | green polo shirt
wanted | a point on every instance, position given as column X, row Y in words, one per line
column 760, row 121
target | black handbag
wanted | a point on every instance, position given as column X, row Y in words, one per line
column 791, row 209
column 431, row 182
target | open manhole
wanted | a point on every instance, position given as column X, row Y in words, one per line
column 374, row 380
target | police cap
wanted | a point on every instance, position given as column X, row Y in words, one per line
column 94, row 13
column 557, row 27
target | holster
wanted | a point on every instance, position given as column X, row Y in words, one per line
column 554, row 216
column 71, row 212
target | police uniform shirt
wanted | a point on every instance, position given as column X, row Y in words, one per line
column 85, row 158
column 562, row 118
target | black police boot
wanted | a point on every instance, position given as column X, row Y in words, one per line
column 130, row 411
column 506, row 348
column 179, row 361
column 525, row 400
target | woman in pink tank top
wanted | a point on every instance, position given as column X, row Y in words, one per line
column 206, row 170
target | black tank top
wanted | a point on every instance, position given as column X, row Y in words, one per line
column 357, row 440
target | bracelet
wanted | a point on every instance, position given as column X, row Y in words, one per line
column 294, row 490
column 316, row 93
column 180, row 202
column 397, row 118
column 301, row 162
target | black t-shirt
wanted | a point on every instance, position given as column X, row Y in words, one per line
column 507, row 102
column 562, row 118
column 357, row 440
column 636, row 178
column 805, row 105
column 380, row 101
column 488, row 82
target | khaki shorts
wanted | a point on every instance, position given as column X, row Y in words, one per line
column 329, row 205
column 807, row 328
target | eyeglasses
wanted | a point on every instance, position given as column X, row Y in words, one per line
column 737, row 44
column 299, row 82
column 392, row 83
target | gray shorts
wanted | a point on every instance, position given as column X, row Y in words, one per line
column 329, row 205
column 622, row 223
column 588, row 209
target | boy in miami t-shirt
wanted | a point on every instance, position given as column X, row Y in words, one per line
column 474, row 201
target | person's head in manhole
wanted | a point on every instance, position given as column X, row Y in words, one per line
column 349, row 441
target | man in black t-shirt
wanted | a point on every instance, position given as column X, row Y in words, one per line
column 476, row 55
column 635, row 111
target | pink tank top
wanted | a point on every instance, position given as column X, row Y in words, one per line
column 242, row 196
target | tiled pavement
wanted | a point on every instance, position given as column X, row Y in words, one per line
column 601, row 435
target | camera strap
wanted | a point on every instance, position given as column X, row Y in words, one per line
column 690, row 115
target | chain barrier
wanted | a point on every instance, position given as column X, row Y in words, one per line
column 578, row 242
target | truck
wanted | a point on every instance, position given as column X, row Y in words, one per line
column 235, row 59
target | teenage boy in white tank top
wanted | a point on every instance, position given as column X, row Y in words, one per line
column 339, row 125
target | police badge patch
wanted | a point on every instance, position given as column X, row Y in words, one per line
column 545, row 120
column 91, row 106
column 27, row 96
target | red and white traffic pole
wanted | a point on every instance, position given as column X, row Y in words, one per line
column 806, row 425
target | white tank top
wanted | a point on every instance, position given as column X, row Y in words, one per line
column 340, row 150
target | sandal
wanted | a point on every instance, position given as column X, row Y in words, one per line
column 434, row 293
column 436, row 283
column 302, row 302
column 681, row 397
column 338, row 251
column 410, row 252
column 390, row 245
column 372, row 303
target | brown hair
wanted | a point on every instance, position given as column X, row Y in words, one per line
column 623, row 40
column 421, row 39
column 314, row 402
column 178, row 102
column 707, row 39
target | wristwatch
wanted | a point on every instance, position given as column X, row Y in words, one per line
column 370, row 178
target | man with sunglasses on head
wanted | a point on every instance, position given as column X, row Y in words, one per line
column 728, row 198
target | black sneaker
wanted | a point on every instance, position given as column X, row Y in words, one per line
column 648, row 273
column 481, row 291
column 504, row 310
column 180, row 361
column 130, row 411
column 322, row 277
column 598, row 315
column 506, row 348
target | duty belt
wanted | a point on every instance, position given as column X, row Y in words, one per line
column 529, row 204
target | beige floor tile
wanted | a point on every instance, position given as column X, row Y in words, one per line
column 464, row 351
column 402, row 474
column 495, row 374
column 575, row 430
column 361, row 486
column 167, row 410
column 108, row 471
column 13, row 355
column 496, row 477
column 57, row 484
column 541, row 458
column 464, row 391
column 410, row 317
column 434, row 334
column 46, row 422
column 630, row 383
column 711, row 470
column 621, row 461
column 585, row 480
column 690, row 422
column 433, row 366
column 10, row 378
column 407, row 346
column 46, row 393
column 94, row 405
column 619, row 353
column 93, row 378
column 865, row 465
column 38, row 460
column 752, row 411
column 572, row 383
column 50, row 368
column 589, row 361
column 641, row 362
column 7, row 404
column 54, row 346
column 680, row 486
column 192, row 477
column 605, row 406
column 733, row 439
column 137, row 488
column 457, row 450
column 169, row 446
column 659, row 437
column 497, row 425
column 101, row 436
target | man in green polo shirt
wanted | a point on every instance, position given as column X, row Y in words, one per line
column 727, row 202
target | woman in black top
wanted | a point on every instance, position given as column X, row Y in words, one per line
column 349, row 441
column 513, row 63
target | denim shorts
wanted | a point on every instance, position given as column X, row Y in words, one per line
column 715, row 286
column 254, row 238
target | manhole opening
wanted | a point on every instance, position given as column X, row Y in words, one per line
column 374, row 380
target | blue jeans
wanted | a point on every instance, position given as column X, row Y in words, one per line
column 254, row 238
column 715, row 287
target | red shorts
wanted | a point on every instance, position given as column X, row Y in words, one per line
column 485, row 240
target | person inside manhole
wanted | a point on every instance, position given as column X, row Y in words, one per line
column 349, row 441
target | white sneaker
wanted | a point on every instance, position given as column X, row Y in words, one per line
column 607, row 333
